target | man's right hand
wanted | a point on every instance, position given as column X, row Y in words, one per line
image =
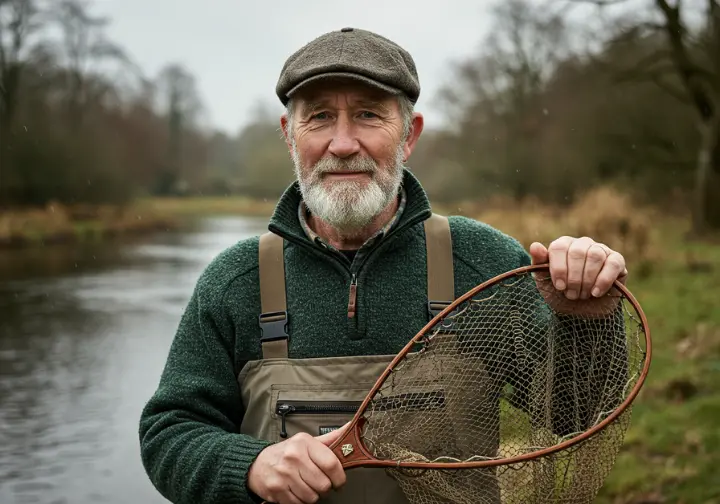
column 299, row 470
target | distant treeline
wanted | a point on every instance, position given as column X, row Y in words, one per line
column 549, row 106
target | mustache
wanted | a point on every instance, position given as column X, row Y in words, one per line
column 355, row 164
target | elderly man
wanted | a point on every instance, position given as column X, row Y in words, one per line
column 285, row 333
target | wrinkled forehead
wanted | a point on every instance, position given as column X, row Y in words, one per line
column 343, row 94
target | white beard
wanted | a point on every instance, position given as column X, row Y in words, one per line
column 349, row 206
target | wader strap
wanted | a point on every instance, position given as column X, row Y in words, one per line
column 273, row 317
column 440, row 271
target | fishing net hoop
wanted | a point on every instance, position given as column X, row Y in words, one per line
column 351, row 448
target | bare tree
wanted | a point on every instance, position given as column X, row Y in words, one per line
column 182, row 106
column 687, row 67
column 495, row 98
column 85, row 47
column 701, row 81
column 17, row 22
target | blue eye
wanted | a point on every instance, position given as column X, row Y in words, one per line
column 369, row 115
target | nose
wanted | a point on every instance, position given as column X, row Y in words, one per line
column 344, row 142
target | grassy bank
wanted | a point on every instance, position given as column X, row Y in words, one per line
column 63, row 224
column 202, row 206
column 66, row 224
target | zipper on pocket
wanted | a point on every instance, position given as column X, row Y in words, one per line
column 285, row 408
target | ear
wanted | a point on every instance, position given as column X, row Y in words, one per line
column 284, row 126
column 416, row 128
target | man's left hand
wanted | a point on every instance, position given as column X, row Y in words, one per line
column 580, row 267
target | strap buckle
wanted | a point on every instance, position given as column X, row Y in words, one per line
column 273, row 326
column 435, row 307
column 447, row 323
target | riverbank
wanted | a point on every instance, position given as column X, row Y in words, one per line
column 58, row 223
column 603, row 214
column 183, row 208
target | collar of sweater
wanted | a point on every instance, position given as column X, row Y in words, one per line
column 284, row 221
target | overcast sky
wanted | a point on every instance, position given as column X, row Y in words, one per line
column 236, row 48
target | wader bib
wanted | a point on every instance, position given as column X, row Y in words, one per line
column 284, row 396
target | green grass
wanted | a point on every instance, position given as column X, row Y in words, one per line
column 672, row 451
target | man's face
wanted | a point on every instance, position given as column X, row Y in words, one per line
column 348, row 146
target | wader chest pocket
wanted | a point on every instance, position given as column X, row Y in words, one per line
column 314, row 417
column 315, row 410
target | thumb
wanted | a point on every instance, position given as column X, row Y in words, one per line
column 539, row 253
column 332, row 436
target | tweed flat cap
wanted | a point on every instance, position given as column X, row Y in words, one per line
column 351, row 53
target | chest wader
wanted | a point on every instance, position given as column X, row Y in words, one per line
column 284, row 396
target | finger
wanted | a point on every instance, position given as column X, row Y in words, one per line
column 577, row 253
column 288, row 497
column 315, row 478
column 594, row 260
column 622, row 278
column 538, row 253
column 299, row 489
column 613, row 268
column 557, row 257
column 285, row 496
column 326, row 462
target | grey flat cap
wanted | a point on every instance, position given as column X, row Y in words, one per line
column 351, row 53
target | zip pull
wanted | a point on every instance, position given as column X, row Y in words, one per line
column 284, row 410
column 352, row 307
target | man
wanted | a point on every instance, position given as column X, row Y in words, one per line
column 342, row 284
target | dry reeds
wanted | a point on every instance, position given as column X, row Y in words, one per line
column 59, row 223
column 602, row 213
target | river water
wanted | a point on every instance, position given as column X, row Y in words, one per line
column 84, row 333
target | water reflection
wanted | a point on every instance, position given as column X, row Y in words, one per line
column 84, row 332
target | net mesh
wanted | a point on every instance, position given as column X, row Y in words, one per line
column 514, row 370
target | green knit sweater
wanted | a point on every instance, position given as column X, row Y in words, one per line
column 189, row 438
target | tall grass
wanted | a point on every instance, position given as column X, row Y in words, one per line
column 602, row 213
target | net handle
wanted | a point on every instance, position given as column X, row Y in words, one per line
column 352, row 452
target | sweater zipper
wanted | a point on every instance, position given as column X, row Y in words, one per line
column 352, row 301
column 352, row 295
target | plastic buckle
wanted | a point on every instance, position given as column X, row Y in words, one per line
column 273, row 326
column 435, row 307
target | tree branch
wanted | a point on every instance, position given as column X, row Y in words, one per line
column 655, row 58
column 687, row 69
column 671, row 90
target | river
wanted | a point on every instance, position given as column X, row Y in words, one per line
column 84, row 333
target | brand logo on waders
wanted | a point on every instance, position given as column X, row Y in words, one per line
column 347, row 449
column 325, row 429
